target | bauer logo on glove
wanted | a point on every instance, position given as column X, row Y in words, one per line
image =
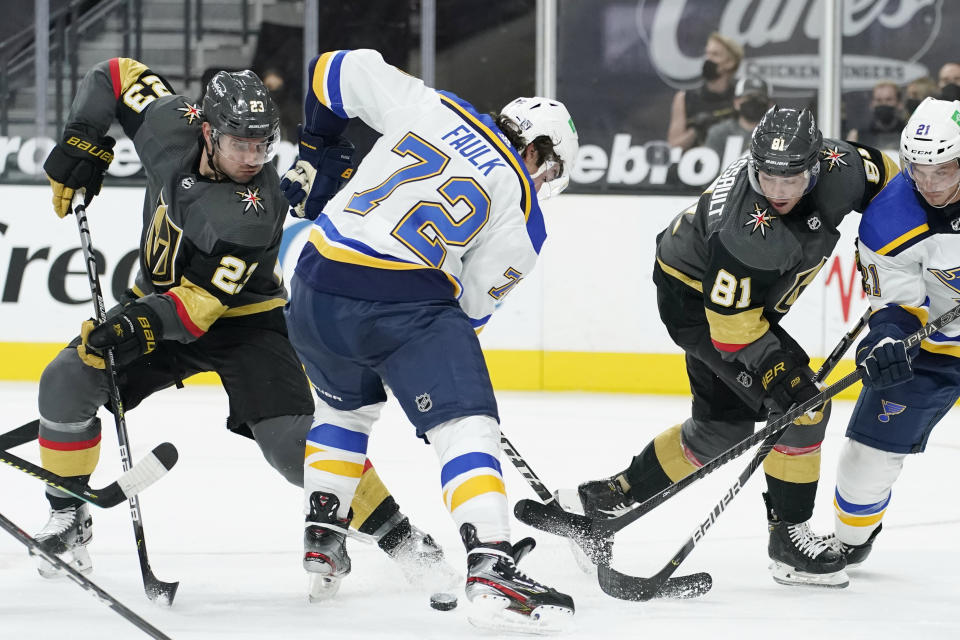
column 131, row 334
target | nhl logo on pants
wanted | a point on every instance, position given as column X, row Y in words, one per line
column 424, row 403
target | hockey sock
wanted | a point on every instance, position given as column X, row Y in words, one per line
column 70, row 449
column 865, row 476
column 663, row 462
column 472, row 481
column 336, row 453
column 792, row 476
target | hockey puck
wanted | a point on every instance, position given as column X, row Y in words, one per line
column 443, row 601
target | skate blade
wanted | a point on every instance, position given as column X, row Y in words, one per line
column 323, row 587
column 491, row 612
column 78, row 559
column 787, row 575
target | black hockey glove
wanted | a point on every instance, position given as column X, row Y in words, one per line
column 788, row 383
column 885, row 358
column 79, row 161
column 322, row 168
column 131, row 333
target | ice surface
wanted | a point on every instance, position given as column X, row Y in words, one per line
column 229, row 528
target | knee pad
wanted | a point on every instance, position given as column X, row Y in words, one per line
column 706, row 439
column 70, row 391
column 865, row 476
column 471, row 476
column 282, row 440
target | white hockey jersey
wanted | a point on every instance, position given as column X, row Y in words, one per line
column 442, row 206
column 910, row 260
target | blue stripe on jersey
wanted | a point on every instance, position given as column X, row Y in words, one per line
column 324, row 222
column 479, row 323
column 485, row 126
column 370, row 283
column 468, row 462
column 333, row 84
column 339, row 438
column 895, row 219
column 862, row 509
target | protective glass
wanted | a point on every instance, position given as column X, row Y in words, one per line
column 783, row 187
column 932, row 178
column 249, row 151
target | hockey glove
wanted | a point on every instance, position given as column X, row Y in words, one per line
column 885, row 358
column 131, row 334
column 323, row 166
column 79, row 161
column 788, row 382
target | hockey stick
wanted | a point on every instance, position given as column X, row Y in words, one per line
column 156, row 590
column 626, row 587
column 680, row 587
column 581, row 528
column 80, row 579
column 144, row 473
column 21, row 435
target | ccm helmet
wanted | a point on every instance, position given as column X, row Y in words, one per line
column 238, row 105
column 930, row 148
column 785, row 146
column 535, row 117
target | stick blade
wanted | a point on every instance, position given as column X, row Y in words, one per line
column 148, row 470
column 637, row 589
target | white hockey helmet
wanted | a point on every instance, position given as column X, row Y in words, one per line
column 930, row 150
column 538, row 116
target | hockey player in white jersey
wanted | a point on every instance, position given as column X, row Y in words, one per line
column 908, row 253
column 403, row 266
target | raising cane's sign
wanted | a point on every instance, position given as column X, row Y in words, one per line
column 621, row 63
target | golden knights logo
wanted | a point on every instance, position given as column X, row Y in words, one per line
column 161, row 245
column 834, row 157
column 760, row 219
column 191, row 112
column 252, row 199
column 890, row 409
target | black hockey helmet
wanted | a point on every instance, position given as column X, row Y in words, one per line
column 237, row 104
column 785, row 143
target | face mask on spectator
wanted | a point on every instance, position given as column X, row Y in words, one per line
column 710, row 70
column 752, row 109
column 950, row 92
column 884, row 114
column 911, row 104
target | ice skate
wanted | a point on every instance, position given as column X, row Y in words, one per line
column 800, row 557
column 418, row 555
column 854, row 554
column 324, row 543
column 502, row 598
column 66, row 535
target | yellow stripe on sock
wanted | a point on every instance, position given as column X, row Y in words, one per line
column 474, row 487
column 669, row 449
column 857, row 521
column 339, row 467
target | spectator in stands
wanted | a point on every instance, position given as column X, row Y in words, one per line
column 949, row 74
column 751, row 99
column 886, row 119
column 289, row 105
column 694, row 111
column 916, row 92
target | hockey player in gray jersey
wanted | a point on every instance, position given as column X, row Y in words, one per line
column 908, row 251
column 209, row 294
column 727, row 270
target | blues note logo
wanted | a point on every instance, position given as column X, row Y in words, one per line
column 890, row 409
